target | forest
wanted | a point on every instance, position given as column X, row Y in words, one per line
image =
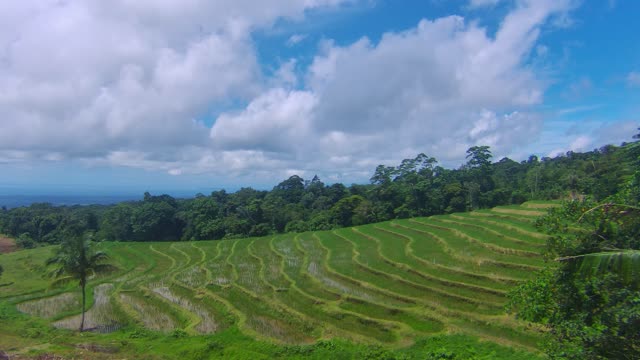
column 415, row 187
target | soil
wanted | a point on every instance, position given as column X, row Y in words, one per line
column 7, row 245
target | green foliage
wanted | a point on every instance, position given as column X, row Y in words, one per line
column 156, row 219
column 116, row 224
column 625, row 264
column 76, row 259
column 416, row 187
column 141, row 333
column 534, row 300
column 588, row 298
column 479, row 157
column 25, row 241
column 343, row 211
column 179, row 334
column 391, row 283
column 591, row 300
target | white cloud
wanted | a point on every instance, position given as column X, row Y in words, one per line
column 483, row 3
column 276, row 121
column 609, row 133
column 438, row 88
column 123, row 83
column 295, row 39
column 588, row 135
column 286, row 75
column 579, row 143
column 88, row 78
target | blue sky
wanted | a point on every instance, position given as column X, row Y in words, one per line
column 186, row 97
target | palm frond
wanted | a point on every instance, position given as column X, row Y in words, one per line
column 64, row 280
column 57, row 272
column 624, row 263
column 98, row 256
column 54, row 260
column 104, row 268
column 76, row 260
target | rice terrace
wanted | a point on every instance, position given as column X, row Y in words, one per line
column 398, row 283
column 319, row 179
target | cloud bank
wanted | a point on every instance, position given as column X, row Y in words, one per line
column 132, row 83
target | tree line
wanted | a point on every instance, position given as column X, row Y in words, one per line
column 416, row 187
column 588, row 296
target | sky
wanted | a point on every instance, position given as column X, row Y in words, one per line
column 186, row 96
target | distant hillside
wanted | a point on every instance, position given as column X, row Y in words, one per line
column 386, row 283
column 416, row 187
column 14, row 201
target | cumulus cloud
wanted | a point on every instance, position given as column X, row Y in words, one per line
column 125, row 83
column 439, row 88
column 277, row 121
column 88, row 78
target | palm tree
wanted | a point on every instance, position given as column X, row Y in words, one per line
column 624, row 263
column 76, row 259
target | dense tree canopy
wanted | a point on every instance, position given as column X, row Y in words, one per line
column 590, row 297
column 416, row 187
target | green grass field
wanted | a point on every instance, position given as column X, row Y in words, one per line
column 413, row 288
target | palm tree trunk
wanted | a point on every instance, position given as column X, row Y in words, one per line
column 83, row 305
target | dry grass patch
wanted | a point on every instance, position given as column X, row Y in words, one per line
column 102, row 317
column 518, row 212
column 50, row 306
column 7, row 245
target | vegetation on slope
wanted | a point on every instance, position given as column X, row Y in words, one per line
column 591, row 301
column 410, row 288
column 417, row 187
column 392, row 289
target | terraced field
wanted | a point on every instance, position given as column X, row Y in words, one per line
column 385, row 283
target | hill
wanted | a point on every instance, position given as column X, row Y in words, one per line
column 393, row 283
column 417, row 187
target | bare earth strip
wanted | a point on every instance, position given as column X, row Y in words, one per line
column 7, row 245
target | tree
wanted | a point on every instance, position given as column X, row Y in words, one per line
column 343, row 211
column 155, row 219
column 480, row 169
column 591, row 300
column 116, row 223
column 479, row 156
column 472, row 189
column 383, row 175
column 77, row 259
column 291, row 190
column 25, row 241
